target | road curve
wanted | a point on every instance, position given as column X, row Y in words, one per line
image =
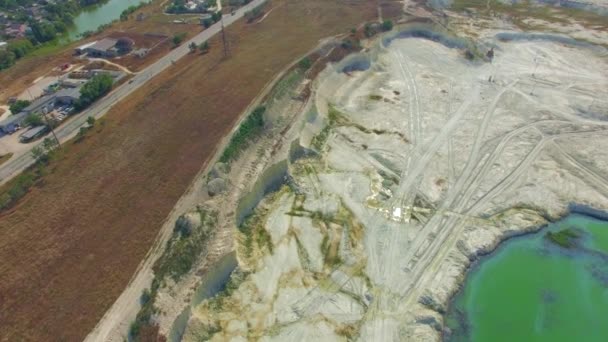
column 68, row 130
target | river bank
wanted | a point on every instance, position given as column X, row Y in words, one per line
column 95, row 17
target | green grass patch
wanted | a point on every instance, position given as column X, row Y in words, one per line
column 564, row 238
column 287, row 84
column 250, row 129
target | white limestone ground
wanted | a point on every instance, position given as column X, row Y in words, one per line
column 424, row 164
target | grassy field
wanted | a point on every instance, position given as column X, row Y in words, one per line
column 72, row 244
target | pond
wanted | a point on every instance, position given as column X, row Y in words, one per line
column 94, row 16
column 536, row 288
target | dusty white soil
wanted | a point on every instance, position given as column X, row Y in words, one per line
column 429, row 160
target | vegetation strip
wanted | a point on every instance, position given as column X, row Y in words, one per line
column 180, row 255
column 251, row 128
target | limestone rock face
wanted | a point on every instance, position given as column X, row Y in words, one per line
column 422, row 166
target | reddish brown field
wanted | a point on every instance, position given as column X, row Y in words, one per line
column 71, row 246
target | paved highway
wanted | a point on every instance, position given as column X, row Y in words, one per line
column 69, row 129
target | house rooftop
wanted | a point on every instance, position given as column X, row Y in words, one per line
column 69, row 92
column 33, row 132
column 39, row 102
column 16, row 118
column 104, row 44
column 87, row 45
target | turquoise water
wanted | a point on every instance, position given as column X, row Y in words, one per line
column 531, row 289
column 94, row 16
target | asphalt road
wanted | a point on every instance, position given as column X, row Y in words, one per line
column 68, row 130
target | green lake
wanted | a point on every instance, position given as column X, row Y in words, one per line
column 94, row 16
column 531, row 289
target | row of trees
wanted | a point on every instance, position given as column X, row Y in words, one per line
column 130, row 10
column 203, row 48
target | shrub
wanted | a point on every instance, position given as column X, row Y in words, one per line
column 387, row 25
column 369, row 30
column 249, row 129
column 19, row 105
column 33, row 120
column 5, row 201
column 97, row 87
column 204, row 47
column 305, row 63
column 178, row 38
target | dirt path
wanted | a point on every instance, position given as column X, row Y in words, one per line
column 5, row 112
column 125, row 69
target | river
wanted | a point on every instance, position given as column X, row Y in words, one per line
column 531, row 289
column 94, row 16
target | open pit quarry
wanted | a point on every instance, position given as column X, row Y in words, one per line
column 407, row 162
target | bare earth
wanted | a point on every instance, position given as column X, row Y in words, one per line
column 425, row 160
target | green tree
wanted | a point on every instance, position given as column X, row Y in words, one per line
column 91, row 121
column 7, row 59
column 5, row 201
column 192, row 46
column 20, row 47
column 178, row 38
column 49, row 144
column 82, row 132
column 204, row 47
column 33, row 120
column 305, row 63
column 368, row 30
column 207, row 23
column 98, row 86
column 19, row 105
column 387, row 25
column 44, row 31
column 38, row 153
column 217, row 16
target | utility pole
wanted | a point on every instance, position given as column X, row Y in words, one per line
column 49, row 125
column 226, row 51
